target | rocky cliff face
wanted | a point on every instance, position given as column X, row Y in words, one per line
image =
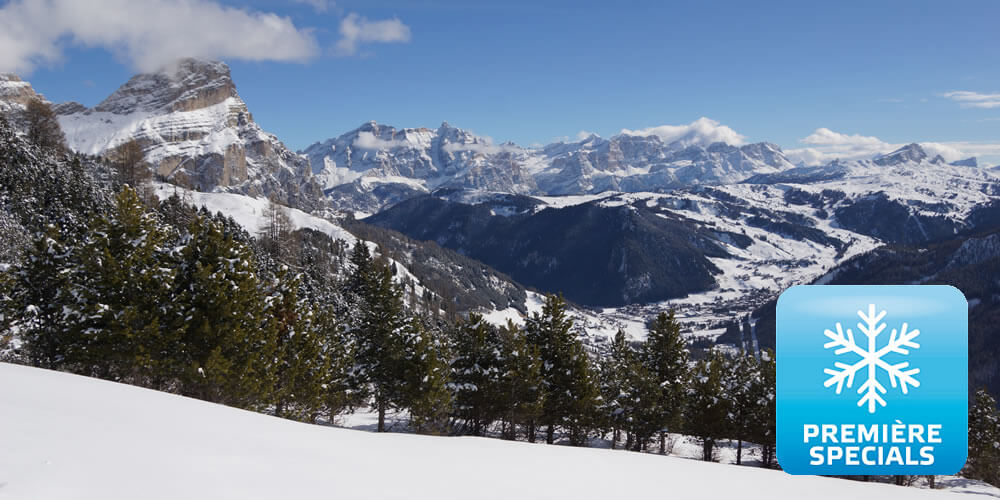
column 196, row 131
column 373, row 158
column 15, row 93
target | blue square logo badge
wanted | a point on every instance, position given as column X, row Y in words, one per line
column 872, row 380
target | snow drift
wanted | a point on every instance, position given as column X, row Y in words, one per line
column 66, row 436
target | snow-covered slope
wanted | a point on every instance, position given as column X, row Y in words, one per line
column 195, row 130
column 66, row 436
column 437, row 272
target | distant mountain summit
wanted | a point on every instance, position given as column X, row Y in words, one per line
column 376, row 165
column 188, row 85
column 195, row 130
column 906, row 154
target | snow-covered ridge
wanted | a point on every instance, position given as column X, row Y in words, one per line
column 449, row 157
column 250, row 213
column 72, row 436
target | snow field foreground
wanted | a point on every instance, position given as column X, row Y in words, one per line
column 66, row 436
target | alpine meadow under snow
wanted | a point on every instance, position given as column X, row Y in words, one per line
column 67, row 436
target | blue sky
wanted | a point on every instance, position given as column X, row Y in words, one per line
column 846, row 77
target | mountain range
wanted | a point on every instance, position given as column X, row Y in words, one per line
column 630, row 222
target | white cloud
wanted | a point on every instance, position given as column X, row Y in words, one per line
column 368, row 140
column 825, row 145
column 483, row 148
column 317, row 5
column 147, row 34
column 969, row 99
column 356, row 30
column 584, row 135
column 703, row 131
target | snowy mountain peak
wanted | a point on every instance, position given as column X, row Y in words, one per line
column 911, row 153
column 186, row 85
column 195, row 130
column 968, row 162
column 15, row 92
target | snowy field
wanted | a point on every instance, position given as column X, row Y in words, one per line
column 65, row 436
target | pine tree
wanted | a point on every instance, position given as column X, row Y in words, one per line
column 615, row 370
column 380, row 336
column 426, row 365
column 302, row 367
column 983, row 462
column 39, row 295
column 339, row 350
column 665, row 357
column 765, row 427
column 227, row 344
column 476, row 372
column 747, row 397
column 569, row 382
column 119, row 290
column 359, row 282
column 708, row 404
column 521, row 395
column 645, row 407
column 630, row 396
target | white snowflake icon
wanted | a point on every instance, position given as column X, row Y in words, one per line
column 872, row 358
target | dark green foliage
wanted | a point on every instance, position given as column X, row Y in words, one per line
column 120, row 289
column 301, row 368
column 228, row 346
column 380, row 333
column 521, row 385
column 664, row 356
column 708, row 406
column 765, row 430
column 630, row 396
column 569, row 382
column 34, row 305
column 750, row 400
column 983, row 462
column 426, row 366
column 477, row 369
column 41, row 187
column 616, row 368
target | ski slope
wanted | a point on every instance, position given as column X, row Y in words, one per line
column 66, row 436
